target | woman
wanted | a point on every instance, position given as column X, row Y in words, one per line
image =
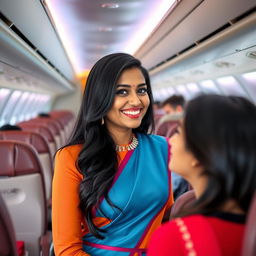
column 214, row 150
column 111, row 185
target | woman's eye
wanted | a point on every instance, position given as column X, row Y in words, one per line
column 122, row 92
column 142, row 91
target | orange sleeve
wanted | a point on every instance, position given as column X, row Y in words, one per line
column 66, row 215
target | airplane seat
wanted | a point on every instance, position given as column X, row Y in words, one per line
column 7, row 235
column 163, row 128
column 56, row 123
column 52, row 126
column 172, row 129
column 68, row 119
column 249, row 243
column 44, row 154
column 42, row 129
column 23, row 190
column 182, row 202
column 157, row 117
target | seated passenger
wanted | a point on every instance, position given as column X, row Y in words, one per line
column 214, row 150
column 9, row 127
column 173, row 108
column 42, row 114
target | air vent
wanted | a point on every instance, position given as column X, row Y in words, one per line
column 17, row 32
column 244, row 15
column 11, row 25
column 42, row 56
column 214, row 33
column 186, row 49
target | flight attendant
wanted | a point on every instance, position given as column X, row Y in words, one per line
column 111, row 186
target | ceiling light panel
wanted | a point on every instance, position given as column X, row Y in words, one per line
column 120, row 25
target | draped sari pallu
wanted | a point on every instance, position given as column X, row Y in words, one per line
column 141, row 189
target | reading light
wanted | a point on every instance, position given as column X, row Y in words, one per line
column 110, row 5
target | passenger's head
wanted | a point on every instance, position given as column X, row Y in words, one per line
column 217, row 140
column 9, row 127
column 110, row 94
column 173, row 104
column 44, row 115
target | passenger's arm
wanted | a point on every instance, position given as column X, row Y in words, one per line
column 66, row 215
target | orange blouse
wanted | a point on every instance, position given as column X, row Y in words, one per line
column 68, row 224
column 67, row 219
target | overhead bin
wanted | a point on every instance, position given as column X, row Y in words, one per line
column 33, row 22
column 17, row 54
column 184, row 27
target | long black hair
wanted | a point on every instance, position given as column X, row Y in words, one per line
column 97, row 160
column 220, row 131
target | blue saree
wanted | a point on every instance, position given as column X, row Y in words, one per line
column 142, row 191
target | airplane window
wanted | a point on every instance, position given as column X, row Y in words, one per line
column 230, row 86
column 208, row 86
column 16, row 115
column 4, row 94
column 28, row 108
column 183, row 91
column 42, row 101
column 171, row 91
column 249, row 81
column 9, row 107
column 193, row 89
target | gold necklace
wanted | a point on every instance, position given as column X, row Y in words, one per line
column 128, row 147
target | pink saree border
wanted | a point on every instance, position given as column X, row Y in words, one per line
column 169, row 184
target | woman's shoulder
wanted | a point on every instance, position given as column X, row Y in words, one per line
column 154, row 138
column 71, row 151
column 180, row 221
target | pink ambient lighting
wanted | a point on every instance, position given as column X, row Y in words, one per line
column 158, row 12
column 250, row 77
column 66, row 39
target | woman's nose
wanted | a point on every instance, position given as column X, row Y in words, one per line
column 134, row 99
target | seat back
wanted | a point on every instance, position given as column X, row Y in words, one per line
column 51, row 124
column 59, row 128
column 23, row 190
column 7, row 235
column 165, row 128
column 42, row 148
column 67, row 118
column 44, row 131
column 249, row 243
column 183, row 201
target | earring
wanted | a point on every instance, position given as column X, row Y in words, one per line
column 102, row 121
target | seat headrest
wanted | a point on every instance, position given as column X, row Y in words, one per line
column 183, row 201
column 34, row 139
column 38, row 128
column 18, row 158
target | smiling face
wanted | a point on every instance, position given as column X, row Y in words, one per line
column 182, row 161
column 130, row 103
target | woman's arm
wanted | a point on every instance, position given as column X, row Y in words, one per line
column 66, row 215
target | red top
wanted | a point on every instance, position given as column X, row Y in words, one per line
column 198, row 235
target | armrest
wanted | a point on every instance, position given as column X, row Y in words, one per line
column 45, row 242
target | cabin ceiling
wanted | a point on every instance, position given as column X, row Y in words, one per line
column 96, row 28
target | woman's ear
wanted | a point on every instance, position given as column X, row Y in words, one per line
column 195, row 163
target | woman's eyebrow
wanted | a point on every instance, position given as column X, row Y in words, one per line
column 129, row 86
